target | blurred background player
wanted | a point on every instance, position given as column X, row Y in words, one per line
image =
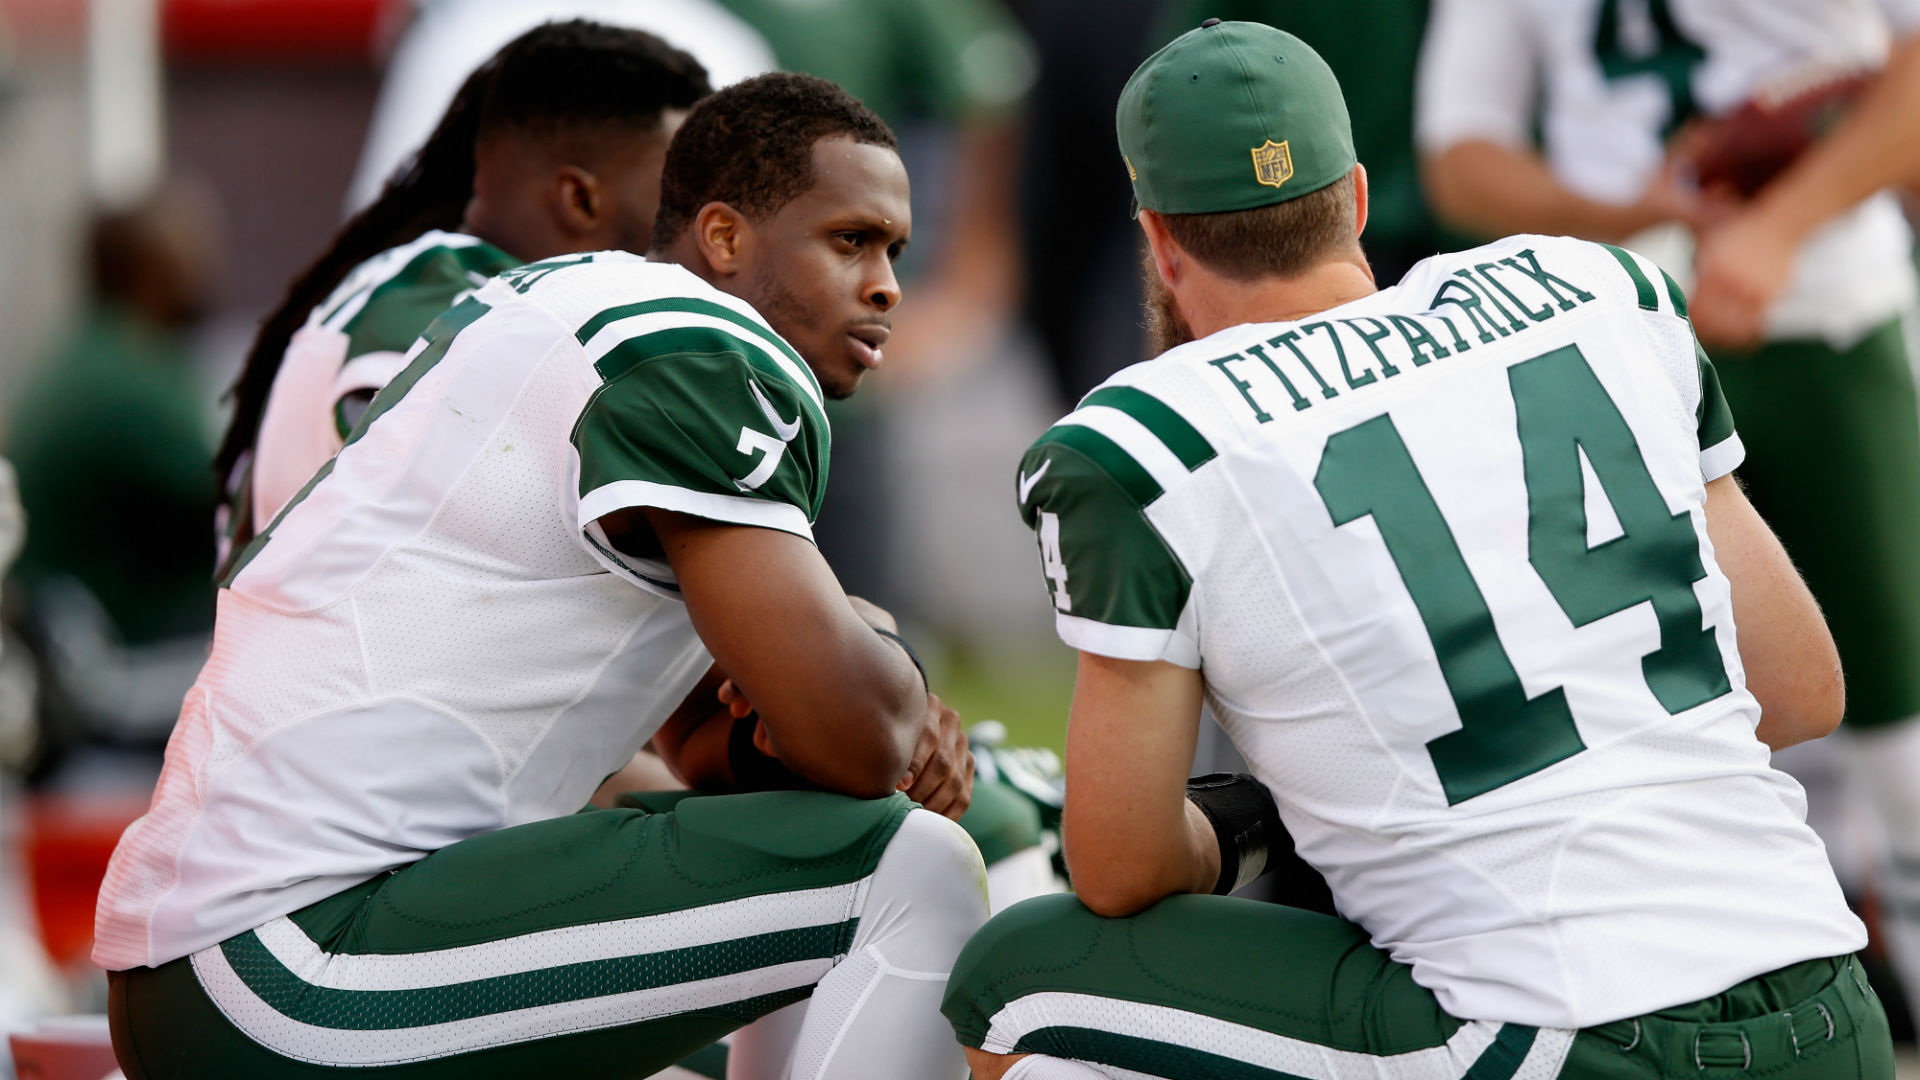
column 1803, row 296
column 115, row 428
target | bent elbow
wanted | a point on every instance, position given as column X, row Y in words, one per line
column 1110, row 902
column 865, row 758
column 1832, row 704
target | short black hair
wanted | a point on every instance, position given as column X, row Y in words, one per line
column 1282, row 239
column 751, row 146
column 566, row 76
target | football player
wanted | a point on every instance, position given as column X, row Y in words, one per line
column 1802, row 295
column 592, row 480
column 551, row 147
column 1460, row 567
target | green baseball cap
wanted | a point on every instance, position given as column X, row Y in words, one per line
column 1232, row 116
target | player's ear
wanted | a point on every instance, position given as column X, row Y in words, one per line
column 1359, row 199
column 721, row 233
column 1168, row 259
column 577, row 200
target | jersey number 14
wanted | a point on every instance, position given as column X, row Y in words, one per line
column 1562, row 410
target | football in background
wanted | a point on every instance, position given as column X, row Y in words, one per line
column 1746, row 148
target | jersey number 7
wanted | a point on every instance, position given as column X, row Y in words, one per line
column 1562, row 411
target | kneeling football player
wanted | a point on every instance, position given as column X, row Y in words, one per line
column 593, row 480
column 1460, row 567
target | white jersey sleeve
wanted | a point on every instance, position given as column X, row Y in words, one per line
column 1477, row 77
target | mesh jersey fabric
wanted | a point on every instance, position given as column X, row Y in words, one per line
column 427, row 644
column 356, row 342
column 1656, row 857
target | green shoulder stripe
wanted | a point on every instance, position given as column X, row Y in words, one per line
column 1649, row 299
column 704, row 340
column 1181, row 437
column 397, row 309
column 1674, row 294
column 1133, row 479
column 694, row 306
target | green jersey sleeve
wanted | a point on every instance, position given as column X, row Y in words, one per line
column 1721, row 451
column 1655, row 290
column 1117, row 588
column 701, row 421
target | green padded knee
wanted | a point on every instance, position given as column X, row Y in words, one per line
column 1277, row 969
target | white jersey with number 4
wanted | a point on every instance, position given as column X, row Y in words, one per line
column 1441, row 555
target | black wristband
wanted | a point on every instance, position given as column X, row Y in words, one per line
column 1246, row 825
column 925, row 683
column 753, row 770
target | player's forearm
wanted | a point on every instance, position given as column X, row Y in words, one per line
column 842, row 705
column 1482, row 187
column 1132, row 837
column 853, row 730
column 1877, row 146
column 1792, row 665
column 1118, row 875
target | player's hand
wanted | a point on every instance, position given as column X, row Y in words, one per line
column 735, row 699
column 940, row 776
column 1671, row 197
column 1739, row 269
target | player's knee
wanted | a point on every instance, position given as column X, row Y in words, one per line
column 929, row 894
column 1050, row 931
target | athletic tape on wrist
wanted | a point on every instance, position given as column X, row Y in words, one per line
column 1246, row 824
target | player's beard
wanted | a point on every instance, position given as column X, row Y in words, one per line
column 781, row 306
column 1165, row 327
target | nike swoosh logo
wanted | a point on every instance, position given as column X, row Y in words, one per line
column 785, row 430
column 1027, row 482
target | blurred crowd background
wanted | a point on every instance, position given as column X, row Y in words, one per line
column 167, row 166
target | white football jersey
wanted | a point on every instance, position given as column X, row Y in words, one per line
column 1441, row 557
column 434, row 639
column 355, row 343
column 1613, row 79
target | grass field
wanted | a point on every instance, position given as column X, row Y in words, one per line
column 1028, row 691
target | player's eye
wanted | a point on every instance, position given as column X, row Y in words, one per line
column 851, row 238
column 894, row 250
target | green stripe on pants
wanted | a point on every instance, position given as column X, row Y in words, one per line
column 1214, row 988
column 607, row 943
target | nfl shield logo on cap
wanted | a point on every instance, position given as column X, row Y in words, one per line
column 1272, row 163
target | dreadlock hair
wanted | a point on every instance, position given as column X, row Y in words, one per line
column 751, row 146
column 562, row 79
